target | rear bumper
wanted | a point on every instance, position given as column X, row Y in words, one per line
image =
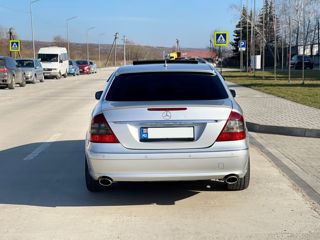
column 135, row 165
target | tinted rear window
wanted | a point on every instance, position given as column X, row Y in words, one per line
column 166, row 86
column 2, row 62
column 82, row 62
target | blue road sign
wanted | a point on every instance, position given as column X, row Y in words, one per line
column 242, row 45
column 14, row 45
column 221, row 38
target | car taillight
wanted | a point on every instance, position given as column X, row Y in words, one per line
column 234, row 129
column 72, row 66
column 4, row 69
column 100, row 131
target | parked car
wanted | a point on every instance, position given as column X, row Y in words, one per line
column 84, row 66
column 93, row 67
column 73, row 68
column 54, row 61
column 166, row 122
column 212, row 61
column 10, row 74
column 32, row 69
column 296, row 62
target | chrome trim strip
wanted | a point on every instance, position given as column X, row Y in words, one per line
column 173, row 122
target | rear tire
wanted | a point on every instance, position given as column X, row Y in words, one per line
column 65, row 75
column 92, row 184
column 12, row 83
column 242, row 183
column 42, row 79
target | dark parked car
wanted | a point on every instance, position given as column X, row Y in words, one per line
column 10, row 74
column 32, row 69
column 296, row 62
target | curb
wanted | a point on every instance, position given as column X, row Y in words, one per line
column 289, row 131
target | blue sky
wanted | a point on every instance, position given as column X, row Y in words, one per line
column 146, row 22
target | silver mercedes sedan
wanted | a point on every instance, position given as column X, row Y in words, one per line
column 166, row 122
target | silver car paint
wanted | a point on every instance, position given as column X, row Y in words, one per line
column 132, row 160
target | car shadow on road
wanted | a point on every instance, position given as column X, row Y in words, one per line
column 55, row 177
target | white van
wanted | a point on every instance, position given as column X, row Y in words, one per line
column 54, row 61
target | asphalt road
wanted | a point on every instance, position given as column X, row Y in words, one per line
column 43, row 194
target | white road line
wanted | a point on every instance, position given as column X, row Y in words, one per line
column 42, row 147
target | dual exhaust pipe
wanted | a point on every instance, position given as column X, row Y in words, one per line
column 105, row 181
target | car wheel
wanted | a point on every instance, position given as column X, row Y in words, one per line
column 74, row 74
column 23, row 83
column 92, row 184
column 65, row 75
column 12, row 83
column 42, row 79
column 34, row 79
column 59, row 76
column 242, row 183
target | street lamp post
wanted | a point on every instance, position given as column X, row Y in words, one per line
column 124, row 50
column 67, row 21
column 34, row 51
column 88, row 29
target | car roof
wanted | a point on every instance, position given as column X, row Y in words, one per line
column 175, row 67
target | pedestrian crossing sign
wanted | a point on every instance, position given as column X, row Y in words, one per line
column 221, row 38
column 14, row 45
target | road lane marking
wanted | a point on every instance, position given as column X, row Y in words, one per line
column 42, row 147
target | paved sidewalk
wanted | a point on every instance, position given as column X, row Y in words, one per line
column 271, row 114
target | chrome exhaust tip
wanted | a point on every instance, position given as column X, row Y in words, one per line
column 231, row 179
column 105, row 181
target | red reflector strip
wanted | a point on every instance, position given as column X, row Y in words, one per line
column 104, row 138
column 167, row 109
column 231, row 136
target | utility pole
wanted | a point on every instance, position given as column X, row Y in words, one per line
column 253, row 33
column 88, row 29
column 290, row 33
column 303, row 38
column 115, row 49
column 33, row 47
column 67, row 21
column 241, row 52
column 263, row 40
column 113, row 45
column 178, row 45
column 124, row 50
column 251, row 41
column 275, row 41
column 319, row 43
column 247, row 58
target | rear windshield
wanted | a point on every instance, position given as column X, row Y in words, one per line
column 2, row 63
column 166, row 86
column 25, row 63
column 82, row 62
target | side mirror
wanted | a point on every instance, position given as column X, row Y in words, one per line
column 60, row 61
column 98, row 95
column 233, row 93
